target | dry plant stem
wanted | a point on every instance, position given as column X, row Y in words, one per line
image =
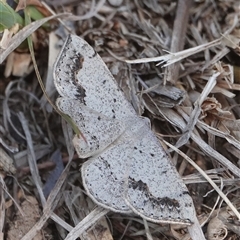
column 54, row 196
column 171, row 58
column 32, row 158
column 148, row 234
column 39, row 225
column 5, row 189
column 12, row 149
column 178, row 38
column 195, row 231
column 87, row 222
column 217, row 189
column 197, row 111
column 50, row 205
column 216, row 155
column 214, row 207
column 2, row 205
column 177, row 121
column 233, row 141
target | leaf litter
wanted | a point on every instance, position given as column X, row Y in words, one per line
column 184, row 76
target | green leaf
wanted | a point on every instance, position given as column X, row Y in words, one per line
column 8, row 17
column 34, row 13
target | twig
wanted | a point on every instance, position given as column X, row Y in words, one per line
column 178, row 38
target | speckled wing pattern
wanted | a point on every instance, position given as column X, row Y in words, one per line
column 127, row 168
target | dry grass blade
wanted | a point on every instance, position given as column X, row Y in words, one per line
column 171, row 58
column 178, row 38
column 86, row 223
column 18, row 38
column 2, row 211
column 31, row 158
column 197, row 110
column 195, row 231
column 233, row 141
column 49, row 207
column 180, row 123
column 148, row 233
column 216, row 188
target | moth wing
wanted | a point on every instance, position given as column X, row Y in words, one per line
column 130, row 170
column 155, row 191
column 81, row 74
column 104, row 177
column 98, row 130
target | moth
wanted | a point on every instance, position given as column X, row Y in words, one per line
column 127, row 168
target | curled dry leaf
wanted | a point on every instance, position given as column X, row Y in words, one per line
column 216, row 230
column 211, row 109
